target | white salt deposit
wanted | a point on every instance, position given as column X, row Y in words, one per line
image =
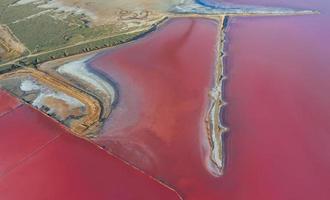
column 78, row 70
column 44, row 93
column 29, row 85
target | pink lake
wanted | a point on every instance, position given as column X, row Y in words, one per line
column 278, row 106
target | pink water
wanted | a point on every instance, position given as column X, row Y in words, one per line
column 40, row 159
column 278, row 106
column 163, row 82
column 8, row 102
column 278, row 81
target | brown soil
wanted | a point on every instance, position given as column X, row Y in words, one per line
column 10, row 47
column 88, row 124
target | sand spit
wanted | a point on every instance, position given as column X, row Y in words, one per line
column 215, row 130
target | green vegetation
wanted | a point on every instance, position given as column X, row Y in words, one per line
column 40, row 33
column 34, row 60
column 10, row 14
column 41, row 29
column 44, row 32
column 81, row 48
column 49, row 34
column 8, row 68
column 4, row 6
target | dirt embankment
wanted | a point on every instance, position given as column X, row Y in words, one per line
column 75, row 71
column 71, row 106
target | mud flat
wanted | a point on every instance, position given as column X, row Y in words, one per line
column 75, row 71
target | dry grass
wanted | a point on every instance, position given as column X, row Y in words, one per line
column 10, row 47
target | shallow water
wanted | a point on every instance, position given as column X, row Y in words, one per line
column 163, row 83
column 8, row 102
column 278, row 105
column 37, row 152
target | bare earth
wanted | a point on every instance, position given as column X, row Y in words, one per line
column 110, row 11
column 10, row 47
